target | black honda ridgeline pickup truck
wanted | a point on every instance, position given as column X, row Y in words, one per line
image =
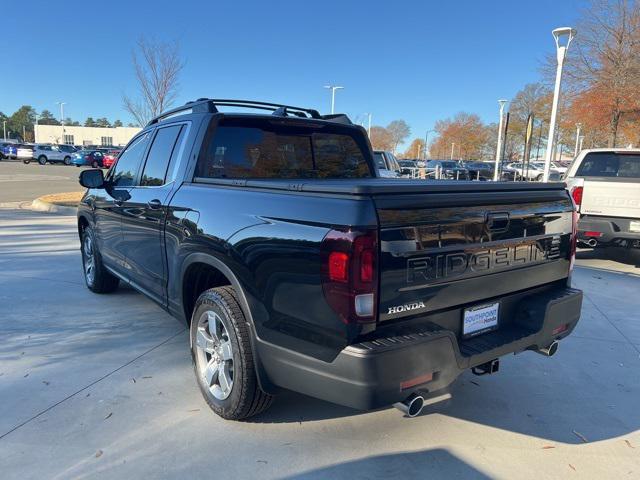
column 295, row 268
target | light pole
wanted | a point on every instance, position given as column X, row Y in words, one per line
column 502, row 103
column 4, row 128
column 561, row 52
column 426, row 142
column 453, row 145
column 333, row 89
column 581, row 140
column 369, row 126
column 62, row 104
column 578, row 126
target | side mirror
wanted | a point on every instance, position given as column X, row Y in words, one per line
column 93, row 178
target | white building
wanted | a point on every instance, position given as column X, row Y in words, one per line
column 118, row 136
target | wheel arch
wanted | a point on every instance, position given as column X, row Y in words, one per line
column 202, row 271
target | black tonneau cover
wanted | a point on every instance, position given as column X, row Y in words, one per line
column 384, row 186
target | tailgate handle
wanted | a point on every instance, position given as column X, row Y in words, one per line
column 497, row 221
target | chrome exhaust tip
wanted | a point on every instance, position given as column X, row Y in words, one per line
column 592, row 242
column 411, row 406
column 550, row 350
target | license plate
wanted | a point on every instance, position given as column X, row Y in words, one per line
column 480, row 319
column 634, row 227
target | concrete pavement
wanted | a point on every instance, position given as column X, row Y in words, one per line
column 20, row 182
column 101, row 386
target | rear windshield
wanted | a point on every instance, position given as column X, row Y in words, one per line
column 610, row 164
column 257, row 148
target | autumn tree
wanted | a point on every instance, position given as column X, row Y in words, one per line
column 604, row 69
column 381, row 138
column 415, row 150
column 157, row 68
column 464, row 133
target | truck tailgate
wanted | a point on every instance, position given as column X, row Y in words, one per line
column 619, row 197
column 444, row 250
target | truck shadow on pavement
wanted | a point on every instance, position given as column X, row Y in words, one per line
column 439, row 463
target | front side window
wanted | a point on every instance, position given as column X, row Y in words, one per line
column 610, row 164
column 262, row 149
column 124, row 171
column 155, row 169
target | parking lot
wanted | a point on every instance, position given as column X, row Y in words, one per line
column 102, row 385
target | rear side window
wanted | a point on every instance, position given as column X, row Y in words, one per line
column 610, row 164
column 155, row 170
column 125, row 169
column 379, row 159
column 262, row 149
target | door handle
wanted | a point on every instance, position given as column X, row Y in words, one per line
column 154, row 204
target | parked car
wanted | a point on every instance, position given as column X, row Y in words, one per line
column 408, row 168
column 8, row 150
column 109, row 158
column 70, row 149
column 94, row 158
column 448, row 169
column 24, row 152
column 294, row 267
column 46, row 153
column 386, row 164
column 517, row 171
column 605, row 186
column 480, row 170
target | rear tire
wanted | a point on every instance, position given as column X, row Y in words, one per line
column 94, row 164
column 222, row 358
column 42, row 160
column 67, row 160
column 26, row 161
column 96, row 276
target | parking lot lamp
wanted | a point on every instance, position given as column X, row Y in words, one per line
column 62, row 104
column 578, row 126
column 559, row 34
column 369, row 126
column 426, row 142
column 333, row 89
column 502, row 103
column 4, row 128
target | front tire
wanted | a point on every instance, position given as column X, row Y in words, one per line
column 96, row 276
column 222, row 357
column 67, row 160
column 26, row 161
column 42, row 160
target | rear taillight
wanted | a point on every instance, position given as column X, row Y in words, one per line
column 576, row 194
column 349, row 274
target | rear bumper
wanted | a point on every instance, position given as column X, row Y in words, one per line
column 368, row 375
column 612, row 232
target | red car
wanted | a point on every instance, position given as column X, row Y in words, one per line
column 110, row 157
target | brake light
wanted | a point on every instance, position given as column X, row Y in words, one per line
column 576, row 194
column 349, row 274
column 589, row 233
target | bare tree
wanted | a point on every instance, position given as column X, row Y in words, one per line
column 157, row 67
column 399, row 131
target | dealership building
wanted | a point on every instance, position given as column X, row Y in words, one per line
column 69, row 135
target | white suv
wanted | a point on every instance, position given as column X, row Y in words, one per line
column 605, row 185
column 44, row 153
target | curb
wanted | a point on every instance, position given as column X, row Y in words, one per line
column 42, row 206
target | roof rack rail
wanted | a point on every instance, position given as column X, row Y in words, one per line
column 209, row 105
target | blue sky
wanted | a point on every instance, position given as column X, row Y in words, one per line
column 416, row 60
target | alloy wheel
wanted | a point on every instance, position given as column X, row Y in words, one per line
column 214, row 355
column 88, row 257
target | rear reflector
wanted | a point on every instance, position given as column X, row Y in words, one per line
column 560, row 329
column 416, row 381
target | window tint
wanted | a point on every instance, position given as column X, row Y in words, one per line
column 262, row 149
column 128, row 162
column 610, row 164
column 379, row 159
column 159, row 155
